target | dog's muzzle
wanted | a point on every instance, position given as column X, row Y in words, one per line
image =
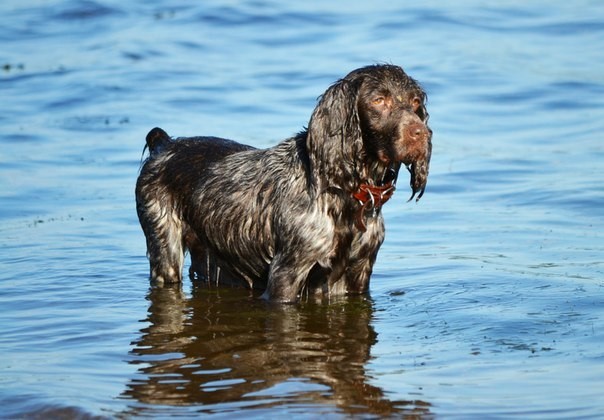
column 417, row 149
column 419, row 178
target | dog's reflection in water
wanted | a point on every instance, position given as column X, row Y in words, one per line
column 223, row 350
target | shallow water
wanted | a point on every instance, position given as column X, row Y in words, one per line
column 487, row 298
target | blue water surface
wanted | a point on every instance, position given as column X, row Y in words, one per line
column 487, row 299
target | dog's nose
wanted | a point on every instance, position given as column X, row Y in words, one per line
column 417, row 132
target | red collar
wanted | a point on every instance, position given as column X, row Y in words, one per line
column 371, row 197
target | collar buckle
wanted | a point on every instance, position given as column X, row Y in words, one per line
column 371, row 198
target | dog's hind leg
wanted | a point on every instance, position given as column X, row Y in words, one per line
column 163, row 230
column 200, row 258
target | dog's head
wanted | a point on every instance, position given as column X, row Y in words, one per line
column 374, row 114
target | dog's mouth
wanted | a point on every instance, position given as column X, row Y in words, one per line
column 419, row 178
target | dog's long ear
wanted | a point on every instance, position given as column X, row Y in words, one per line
column 334, row 140
column 422, row 112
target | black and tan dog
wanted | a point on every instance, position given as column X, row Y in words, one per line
column 301, row 217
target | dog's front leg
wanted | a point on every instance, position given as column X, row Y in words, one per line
column 287, row 276
column 363, row 253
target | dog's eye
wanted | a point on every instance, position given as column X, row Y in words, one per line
column 378, row 101
column 416, row 103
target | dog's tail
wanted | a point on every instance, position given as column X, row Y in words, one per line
column 157, row 140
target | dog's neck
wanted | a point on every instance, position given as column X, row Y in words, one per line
column 373, row 194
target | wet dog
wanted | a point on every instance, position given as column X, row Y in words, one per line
column 299, row 218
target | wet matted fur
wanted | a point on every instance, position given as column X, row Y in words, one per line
column 298, row 218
